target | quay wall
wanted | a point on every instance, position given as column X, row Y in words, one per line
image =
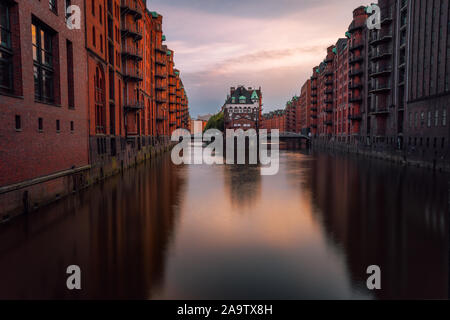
column 29, row 195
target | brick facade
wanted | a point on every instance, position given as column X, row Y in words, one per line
column 98, row 101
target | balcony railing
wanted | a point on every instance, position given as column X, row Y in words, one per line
column 380, row 111
column 355, row 26
column 355, row 116
column 160, row 100
column 354, row 60
column 355, row 72
column 381, row 88
column 132, row 75
column 385, row 71
column 131, row 52
column 356, row 45
column 133, row 105
column 381, row 39
column 132, row 30
column 160, row 49
column 353, row 85
column 160, row 60
column 160, row 75
column 382, row 55
column 355, row 99
column 131, row 7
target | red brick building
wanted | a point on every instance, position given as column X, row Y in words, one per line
column 242, row 109
column 43, row 98
column 314, row 100
column 305, row 109
column 398, row 97
column 274, row 120
column 341, row 112
column 89, row 102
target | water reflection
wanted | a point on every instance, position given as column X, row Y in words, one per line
column 393, row 217
column 211, row 232
column 117, row 232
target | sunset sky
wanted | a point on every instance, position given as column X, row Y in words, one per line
column 269, row 43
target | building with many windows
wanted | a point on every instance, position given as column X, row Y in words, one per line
column 242, row 109
column 43, row 99
column 80, row 104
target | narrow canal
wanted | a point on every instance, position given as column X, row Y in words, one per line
column 161, row 231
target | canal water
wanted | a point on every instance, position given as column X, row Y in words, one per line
column 161, row 231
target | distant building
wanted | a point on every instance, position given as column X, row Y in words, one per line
column 197, row 123
column 274, row 120
column 242, row 109
column 206, row 117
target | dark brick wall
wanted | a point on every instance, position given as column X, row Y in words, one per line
column 28, row 153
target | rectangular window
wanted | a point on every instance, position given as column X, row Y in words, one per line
column 444, row 117
column 436, row 118
column 410, row 120
column 72, row 127
column 70, row 76
column 429, row 119
column 93, row 7
column 6, row 72
column 53, row 5
column 111, row 85
column 42, row 39
column 93, row 36
column 68, row 4
column 40, row 124
column 58, row 126
column 100, row 14
column 18, row 123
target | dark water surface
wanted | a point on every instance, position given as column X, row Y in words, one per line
column 161, row 231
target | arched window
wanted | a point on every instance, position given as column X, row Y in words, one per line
column 99, row 89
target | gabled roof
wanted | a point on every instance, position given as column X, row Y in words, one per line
column 242, row 92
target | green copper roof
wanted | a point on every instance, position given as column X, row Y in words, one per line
column 169, row 53
column 163, row 38
column 154, row 14
column 334, row 50
column 254, row 95
column 348, row 34
column 317, row 70
column 177, row 73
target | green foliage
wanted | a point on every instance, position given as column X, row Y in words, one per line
column 215, row 122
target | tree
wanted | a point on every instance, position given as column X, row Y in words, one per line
column 215, row 122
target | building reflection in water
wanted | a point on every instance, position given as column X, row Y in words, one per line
column 117, row 232
column 389, row 216
column 226, row 232
column 243, row 184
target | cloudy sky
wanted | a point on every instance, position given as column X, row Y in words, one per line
column 269, row 43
